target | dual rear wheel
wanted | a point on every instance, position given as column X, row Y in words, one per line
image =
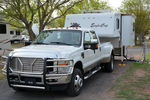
column 109, row 67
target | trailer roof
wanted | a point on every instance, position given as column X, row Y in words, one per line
column 68, row 28
column 103, row 14
column 96, row 14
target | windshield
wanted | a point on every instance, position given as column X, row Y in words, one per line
column 60, row 37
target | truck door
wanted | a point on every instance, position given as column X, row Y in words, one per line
column 88, row 53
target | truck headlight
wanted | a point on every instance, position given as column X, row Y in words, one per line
column 65, row 70
column 60, row 66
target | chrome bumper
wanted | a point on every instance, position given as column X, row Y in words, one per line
column 26, row 86
column 58, row 79
column 20, row 80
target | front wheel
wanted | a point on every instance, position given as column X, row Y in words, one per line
column 76, row 84
column 109, row 67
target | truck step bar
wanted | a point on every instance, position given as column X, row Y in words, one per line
column 90, row 73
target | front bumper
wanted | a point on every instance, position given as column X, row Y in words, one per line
column 36, row 80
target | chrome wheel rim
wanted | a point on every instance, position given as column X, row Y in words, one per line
column 78, row 82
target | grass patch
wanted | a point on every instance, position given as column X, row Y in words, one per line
column 134, row 84
column 17, row 45
column 148, row 56
column 2, row 76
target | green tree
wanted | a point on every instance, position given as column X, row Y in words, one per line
column 23, row 13
column 85, row 5
column 140, row 8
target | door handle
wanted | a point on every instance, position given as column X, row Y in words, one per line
column 99, row 48
column 82, row 55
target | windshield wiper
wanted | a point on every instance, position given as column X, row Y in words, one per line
column 61, row 43
column 40, row 43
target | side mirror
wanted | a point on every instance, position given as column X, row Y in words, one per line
column 93, row 45
column 87, row 46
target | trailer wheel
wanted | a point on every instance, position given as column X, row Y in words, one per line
column 76, row 83
column 109, row 67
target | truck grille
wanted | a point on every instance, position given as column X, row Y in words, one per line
column 27, row 64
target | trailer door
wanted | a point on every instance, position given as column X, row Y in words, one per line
column 128, row 33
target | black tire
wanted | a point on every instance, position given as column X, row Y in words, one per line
column 109, row 67
column 74, row 88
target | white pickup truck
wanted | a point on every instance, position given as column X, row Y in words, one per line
column 59, row 58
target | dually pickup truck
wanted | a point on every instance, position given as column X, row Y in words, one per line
column 60, row 58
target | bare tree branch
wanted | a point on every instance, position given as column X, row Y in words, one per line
column 24, row 12
column 62, row 13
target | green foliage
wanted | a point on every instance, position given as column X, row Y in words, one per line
column 23, row 13
column 16, row 11
column 85, row 5
column 141, row 9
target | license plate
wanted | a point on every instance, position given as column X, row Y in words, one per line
column 30, row 81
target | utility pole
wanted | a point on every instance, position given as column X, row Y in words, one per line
column 144, row 51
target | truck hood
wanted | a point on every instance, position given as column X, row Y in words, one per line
column 44, row 51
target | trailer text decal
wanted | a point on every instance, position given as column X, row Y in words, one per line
column 98, row 25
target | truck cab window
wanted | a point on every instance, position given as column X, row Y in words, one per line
column 62, row 37
column 87, row 37
column 117, row 24
column 94, row 35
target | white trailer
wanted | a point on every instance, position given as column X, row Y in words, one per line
column 111, row 27
column 4, row 36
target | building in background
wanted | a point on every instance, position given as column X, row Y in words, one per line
column 4, row 34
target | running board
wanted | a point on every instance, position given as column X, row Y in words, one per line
column 91, row 73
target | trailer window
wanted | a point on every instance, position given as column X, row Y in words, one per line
column 11, row 32
column 2, row 29
column 117, row 23
column 17, row 32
